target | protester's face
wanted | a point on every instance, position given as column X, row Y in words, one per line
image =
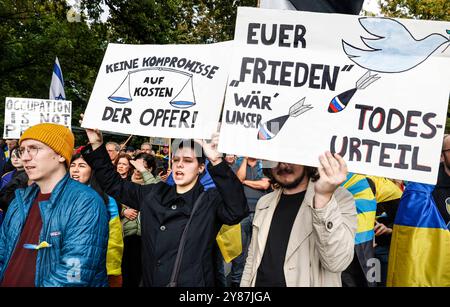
column 446, row 154
column 80, row 170
column 146, row 149
column 16, row 161
column 39, row 160
column 230, row 159
column 185, row 167
column 11, row 144
column 123, row 166
column 165, row 150
column 289, row 175
column 112, row 152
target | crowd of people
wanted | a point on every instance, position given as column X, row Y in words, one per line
column 108, row 215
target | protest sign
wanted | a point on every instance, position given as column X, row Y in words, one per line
column 159, row 141
column 167, row 91
column 22, row 113
column 373, row 89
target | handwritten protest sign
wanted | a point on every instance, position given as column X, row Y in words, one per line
column 159, row 90
column 301, row 83
column 22, row 113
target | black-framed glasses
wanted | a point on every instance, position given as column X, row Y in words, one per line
column 31, row 150
column 445, row 150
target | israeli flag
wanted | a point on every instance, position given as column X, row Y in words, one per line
column 57, row 85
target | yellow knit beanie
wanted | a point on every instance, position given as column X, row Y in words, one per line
column 57, row 137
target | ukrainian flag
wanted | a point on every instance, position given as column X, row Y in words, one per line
column 366, row 207
column 114, row 252
column 420, row 245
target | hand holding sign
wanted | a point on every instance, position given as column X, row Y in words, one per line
column 94, row 135
column 333, row 172
column 210, row 149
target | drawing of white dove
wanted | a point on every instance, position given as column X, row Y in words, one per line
column 394, row 49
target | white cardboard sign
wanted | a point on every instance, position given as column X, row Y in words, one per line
column 22, row 113
column 373, row 89
column 172, row 91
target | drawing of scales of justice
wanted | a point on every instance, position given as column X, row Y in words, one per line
column 180, row 83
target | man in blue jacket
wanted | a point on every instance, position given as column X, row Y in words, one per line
column 55, row 232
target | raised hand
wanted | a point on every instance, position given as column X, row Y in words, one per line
column 94, row 135
column 95, row 138
column 139, row 165
column 333, row 172
column 210, row 149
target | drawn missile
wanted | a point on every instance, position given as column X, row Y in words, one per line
column 339, row 102
column 270, row 129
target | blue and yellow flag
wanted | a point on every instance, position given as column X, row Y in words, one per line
column 114, row 252
column 366, row 207
column 420, row 245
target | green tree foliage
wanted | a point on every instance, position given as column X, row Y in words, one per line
column 209, row 21
column 170, row 21
column 32, row 34
column 423, row 9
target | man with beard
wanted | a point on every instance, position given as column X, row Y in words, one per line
column 304, row 231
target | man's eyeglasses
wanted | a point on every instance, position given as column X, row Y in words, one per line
column 32, row 151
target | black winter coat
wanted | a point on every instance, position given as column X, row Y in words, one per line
column 164, row 214
column 7, row 194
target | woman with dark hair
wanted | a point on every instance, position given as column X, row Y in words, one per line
column 123, row 165
column 17, row 166
column 12, row 180
column 180, row 222
column 82, row 172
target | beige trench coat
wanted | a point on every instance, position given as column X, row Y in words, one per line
column 321, row 243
